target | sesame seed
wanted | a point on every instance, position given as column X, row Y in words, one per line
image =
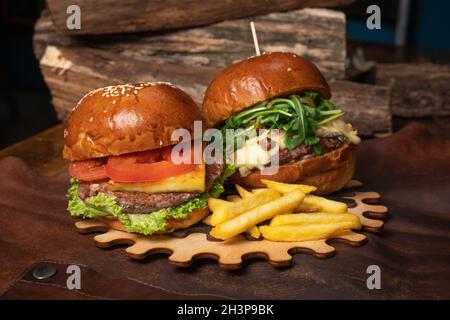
column 121, row 89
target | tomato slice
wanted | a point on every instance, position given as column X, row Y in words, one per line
column 147, row 166
column 88, row 170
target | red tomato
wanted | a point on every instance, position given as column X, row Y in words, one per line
column 147, row 166
column 88, row 170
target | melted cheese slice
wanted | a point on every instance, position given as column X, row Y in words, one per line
column 338, row 126
column 193, row 181
column 252, row 156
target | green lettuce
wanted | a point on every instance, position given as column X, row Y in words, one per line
column 148, row 223
column 297, row 115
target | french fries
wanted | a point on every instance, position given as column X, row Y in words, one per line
column 286, row 187
column 233, row 198
column 224, row 210
column 321, row 204
column 207, row 220
column 254, row 232
column 248, row 218
column 302, row 208
column 311, row 203
column 305, row 232
column 214, row 204
column 242, row 192
column 258, row 190
column 243, row 212
column 297, row 219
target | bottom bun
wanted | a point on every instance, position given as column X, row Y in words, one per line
column 172, row 224
column 328, row 172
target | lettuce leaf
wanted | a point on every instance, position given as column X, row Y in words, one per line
column 97, row 206
column 148, row 223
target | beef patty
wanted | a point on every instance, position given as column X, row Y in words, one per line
column 141, row 202
column 303, row 151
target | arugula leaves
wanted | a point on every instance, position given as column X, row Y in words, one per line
column 297, row 115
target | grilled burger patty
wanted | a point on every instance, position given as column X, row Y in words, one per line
column 141, row 202
column 303, row 151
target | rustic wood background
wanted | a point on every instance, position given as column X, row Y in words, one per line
column 112, row 16
column 418, row 90
column 190, row 58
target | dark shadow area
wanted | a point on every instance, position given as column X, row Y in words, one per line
column 25, row 102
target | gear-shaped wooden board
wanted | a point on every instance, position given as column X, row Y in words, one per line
column 194, row 243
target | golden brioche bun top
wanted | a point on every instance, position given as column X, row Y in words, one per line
column 127, row 118
column 257, row 79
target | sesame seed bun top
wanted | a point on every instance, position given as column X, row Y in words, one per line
column 127, row 118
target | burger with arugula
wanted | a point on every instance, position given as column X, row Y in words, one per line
column 118, row 140
column 285, row 92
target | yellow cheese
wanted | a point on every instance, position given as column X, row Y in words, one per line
column 338, row 126
column 252, row 156
column 193, row 181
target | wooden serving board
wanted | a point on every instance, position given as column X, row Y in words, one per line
column 193, row 243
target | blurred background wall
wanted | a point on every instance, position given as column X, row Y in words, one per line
column 427, row 25
column 25, row 107
column 25, row 103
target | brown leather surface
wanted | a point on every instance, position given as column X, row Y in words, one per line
column 93, row 286
column 411, row 170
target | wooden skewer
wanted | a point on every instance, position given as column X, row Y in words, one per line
column 255, row 38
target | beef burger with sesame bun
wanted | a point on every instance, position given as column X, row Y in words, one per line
column 118, row 140
column 286, row 92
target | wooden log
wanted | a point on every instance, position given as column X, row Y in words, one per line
column 112, row 16
column 72, row 67
column 317, row 34
column 366, row 106
column 418, row 90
